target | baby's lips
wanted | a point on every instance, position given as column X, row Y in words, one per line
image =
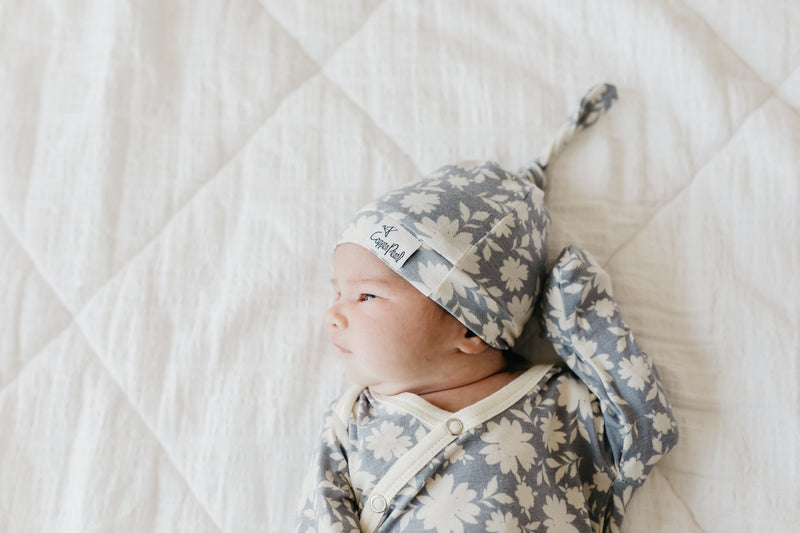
column 340, row 349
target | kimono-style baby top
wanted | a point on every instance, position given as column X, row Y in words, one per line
column 560, row 448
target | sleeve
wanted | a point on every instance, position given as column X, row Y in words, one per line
column 328, row 503
column 583, row 322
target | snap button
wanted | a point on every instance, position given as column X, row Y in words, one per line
column 377, row 503
column 454, row 426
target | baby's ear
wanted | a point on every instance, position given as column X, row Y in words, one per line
column 472, row 344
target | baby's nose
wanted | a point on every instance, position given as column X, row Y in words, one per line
column 334, row 317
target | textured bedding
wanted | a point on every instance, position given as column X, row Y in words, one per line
column 174, row 175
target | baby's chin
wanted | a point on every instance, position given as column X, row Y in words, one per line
column 356, row 374
column 352, row 374
column 375, row 386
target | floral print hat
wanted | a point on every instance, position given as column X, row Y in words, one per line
column 472, row 236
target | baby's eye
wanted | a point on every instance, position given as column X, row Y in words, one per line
column 367, row 297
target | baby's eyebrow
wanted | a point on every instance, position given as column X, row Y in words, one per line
column 357, row 281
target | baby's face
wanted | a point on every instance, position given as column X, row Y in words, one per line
column 388, row 336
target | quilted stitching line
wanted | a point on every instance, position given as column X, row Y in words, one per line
column 341, row 89
column 677, row 495
column 35, row 355
column 377, row 126
column 692, row 180
column 333, row 52
column 103, row 364
column 774, row 88
column 719, row 38
column 152, row 431
column 778, row 97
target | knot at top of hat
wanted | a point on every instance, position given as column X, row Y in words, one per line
column 592, row 106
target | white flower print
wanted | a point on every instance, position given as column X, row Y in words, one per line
column 632, row 469
column 387, row 442
column 583, row 346
column 636, row 371
column 465, row 315
column 490, row 331
column 432, row 275
column 662, row 422
column 487, row 298
column 446, row 508
column 458, row 181
column 601, row 279
column 604, row 308
column 488, row 172
column 466, row 166
column 524, row 495
column 558, row 519
column 502, row 523
column 508, row 445
column 361, row 478
column 503, row 228
column 601, row 481
column 513, row 273
column 551, row 435
column 448, row 240
column 575, row 396
column 602, row 363
column 538, row 240
column 520, row 308
column 512, row 186
column 523, row 211
column 562, row 321
column 420, row 203
column 576, row 498
column 356, row 230
column 456, row 454
column 471, row 262
column 462, row 283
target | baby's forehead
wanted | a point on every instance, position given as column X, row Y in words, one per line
column 354, row 263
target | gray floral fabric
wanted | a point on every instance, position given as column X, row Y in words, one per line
column 564, row 456
column 481, row 233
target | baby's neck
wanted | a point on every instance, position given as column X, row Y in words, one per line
column 456, row 398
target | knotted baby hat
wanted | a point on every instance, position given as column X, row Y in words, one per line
column 472, row 236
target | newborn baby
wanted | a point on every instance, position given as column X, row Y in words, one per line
column 448, row 429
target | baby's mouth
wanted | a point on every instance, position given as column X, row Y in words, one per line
column 341, row 350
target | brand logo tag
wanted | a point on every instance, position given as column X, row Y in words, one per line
column 393, row 243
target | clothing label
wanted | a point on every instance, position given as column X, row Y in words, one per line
column 393, row 243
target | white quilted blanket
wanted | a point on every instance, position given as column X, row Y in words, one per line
column 173, row 175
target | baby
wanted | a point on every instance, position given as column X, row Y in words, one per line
column 447, row 429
